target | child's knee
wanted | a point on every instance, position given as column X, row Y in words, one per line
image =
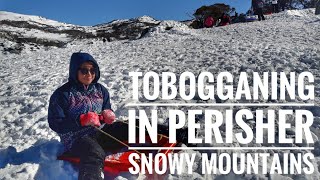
column 95, row 152
column 91, row 151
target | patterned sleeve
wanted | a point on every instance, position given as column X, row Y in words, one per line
column 106, row 98
column 57, row 118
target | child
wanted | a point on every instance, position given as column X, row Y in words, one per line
column 80, row 104
column 74, row 108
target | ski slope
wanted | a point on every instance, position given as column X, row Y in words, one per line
column 284, row 42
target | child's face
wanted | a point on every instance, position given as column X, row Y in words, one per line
column 86, row 73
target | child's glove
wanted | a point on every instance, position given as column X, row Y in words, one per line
column 108, row 116
column 91, row 118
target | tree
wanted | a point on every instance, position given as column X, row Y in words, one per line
column 215, row 10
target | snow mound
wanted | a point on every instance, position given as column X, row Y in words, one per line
column 24, row 171
column 171, row 27
column 301, row 13
column 36, row 162
column 147, row 19
column 292, row 16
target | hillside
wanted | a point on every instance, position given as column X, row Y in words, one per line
column 34, row 31
column 288, row 42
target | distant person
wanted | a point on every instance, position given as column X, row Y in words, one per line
column 275, row 8
column 235, row 18
column 242, row 18
column 209, row 22
column 283, row 4
column 258, row 8
column 224, row 20
column 235, row 14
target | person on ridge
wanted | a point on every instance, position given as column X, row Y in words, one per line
column 79, row 105
column 258, row 8
column 283, row 4
column 224, row 20
column 275, row 7
column 209, row 22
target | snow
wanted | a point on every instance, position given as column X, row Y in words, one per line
column 34, row 19
column 144, row 19
column 147, row 19
column 174, row 27
column 35, row 33
column 288, row 41
column 299, row 13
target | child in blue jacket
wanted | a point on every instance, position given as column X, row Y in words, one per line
column 73, row 111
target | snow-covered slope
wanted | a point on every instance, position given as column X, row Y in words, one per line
column 288, row 41
column 35, row 19
column 34, row 29
column 26, row 30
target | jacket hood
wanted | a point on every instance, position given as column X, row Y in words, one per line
column 75, row 62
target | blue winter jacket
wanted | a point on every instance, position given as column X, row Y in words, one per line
column 72, row 99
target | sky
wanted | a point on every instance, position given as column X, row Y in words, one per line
column 84, row 12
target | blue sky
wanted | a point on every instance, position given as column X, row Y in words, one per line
column 85, row 12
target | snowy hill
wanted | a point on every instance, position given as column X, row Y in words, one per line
column 288, row 41
column 26, row 30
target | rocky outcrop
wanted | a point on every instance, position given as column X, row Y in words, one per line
column 126, row 29
column 39, row 32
